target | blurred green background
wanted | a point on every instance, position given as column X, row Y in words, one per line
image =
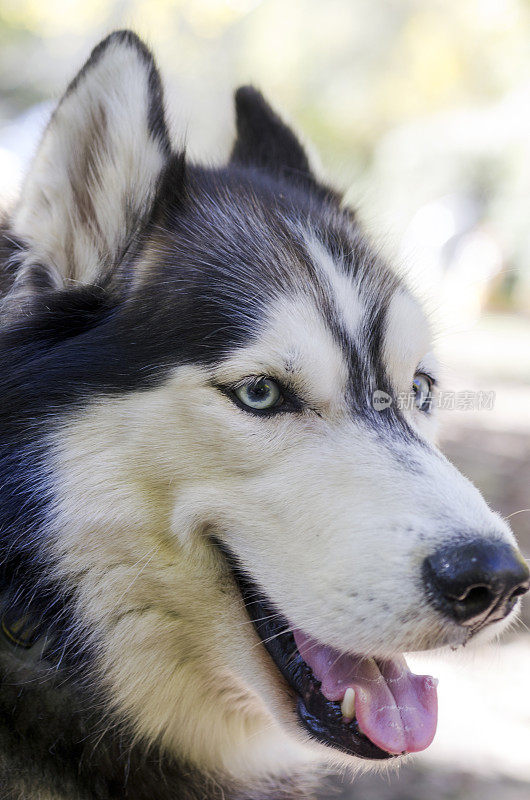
column 420, row 111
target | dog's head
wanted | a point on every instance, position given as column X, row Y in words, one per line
column 229, row 402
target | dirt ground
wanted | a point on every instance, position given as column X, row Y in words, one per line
column 482, row 748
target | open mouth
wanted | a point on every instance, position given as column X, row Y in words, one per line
column 366, row 707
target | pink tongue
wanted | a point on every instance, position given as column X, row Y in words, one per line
column 395, row 709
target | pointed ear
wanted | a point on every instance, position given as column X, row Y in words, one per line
column 263, row 140
column 91, row 186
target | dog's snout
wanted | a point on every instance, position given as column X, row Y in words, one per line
column 477, row 582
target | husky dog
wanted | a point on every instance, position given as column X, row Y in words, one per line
column 220, row 530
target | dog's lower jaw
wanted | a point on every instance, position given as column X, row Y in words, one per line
column 247, row 742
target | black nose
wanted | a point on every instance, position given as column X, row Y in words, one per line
column 476, row 582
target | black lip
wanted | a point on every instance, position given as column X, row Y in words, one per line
column 322, row 718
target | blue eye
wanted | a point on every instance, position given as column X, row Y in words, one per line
column 422, row 388
column 259, row 394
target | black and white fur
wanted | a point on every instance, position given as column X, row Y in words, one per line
column 135, row 287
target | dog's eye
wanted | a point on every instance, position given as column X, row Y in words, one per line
column 260, row 394
column 422, row 388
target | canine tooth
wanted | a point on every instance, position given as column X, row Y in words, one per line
column 348, row 704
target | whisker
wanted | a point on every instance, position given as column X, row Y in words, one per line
column 521, row 511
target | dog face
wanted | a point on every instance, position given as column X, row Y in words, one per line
column 205, row 353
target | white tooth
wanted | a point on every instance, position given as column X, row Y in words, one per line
column 348, row 704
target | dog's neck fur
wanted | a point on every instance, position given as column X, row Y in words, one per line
column 48, row 717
